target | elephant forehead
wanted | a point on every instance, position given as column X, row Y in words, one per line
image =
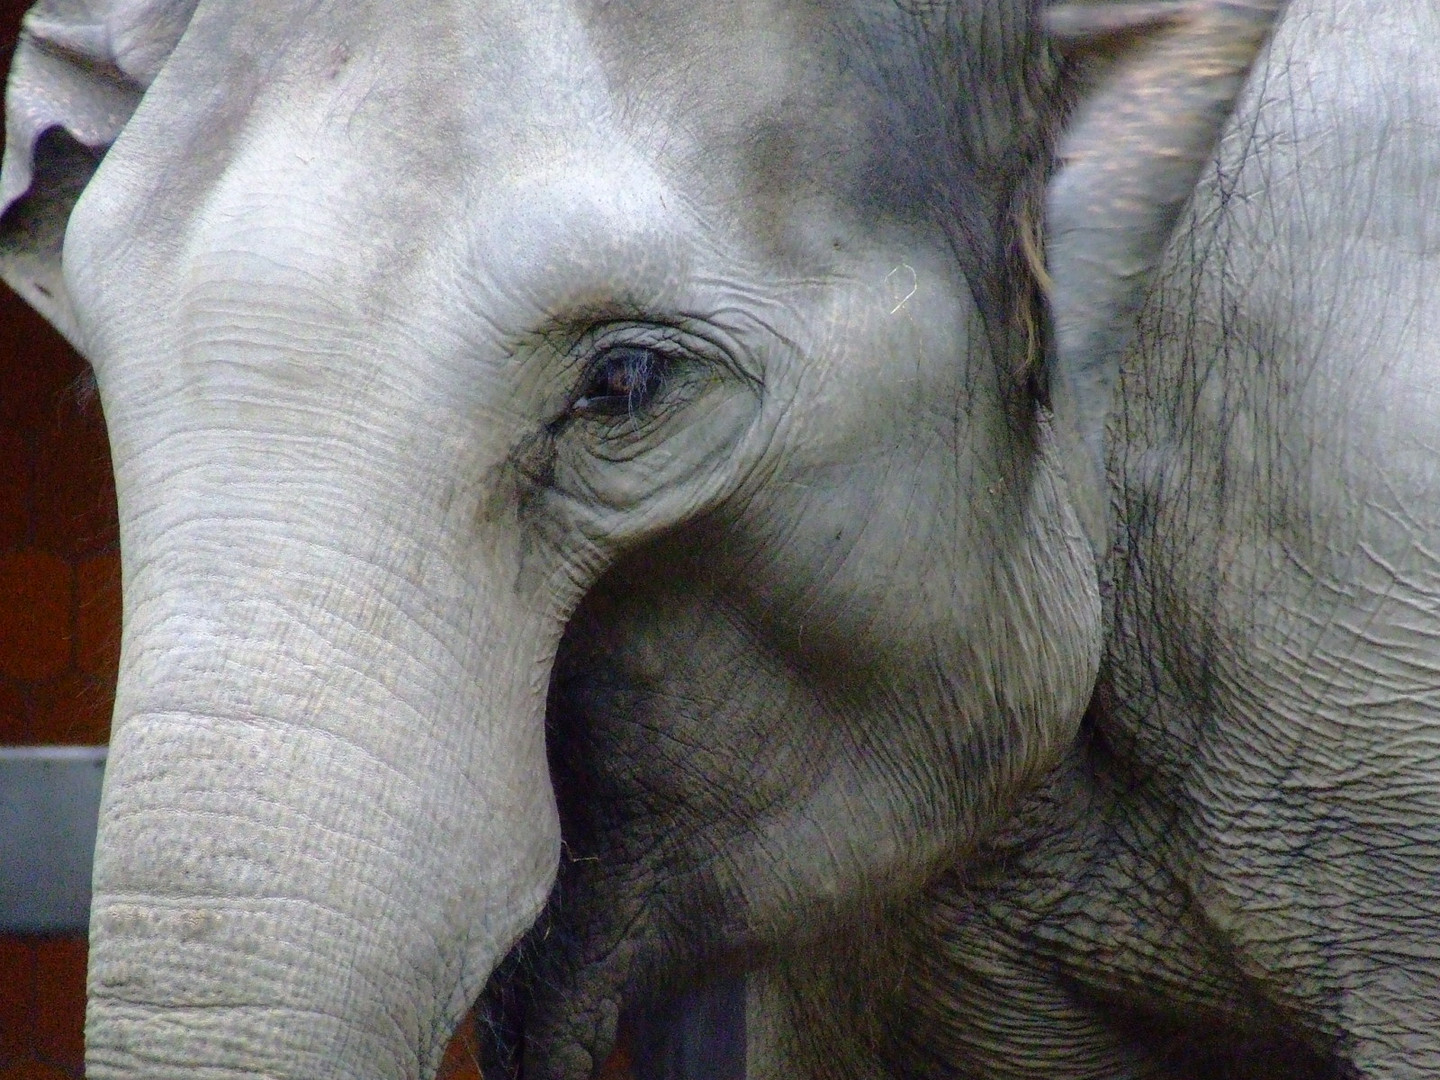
column 404, row 125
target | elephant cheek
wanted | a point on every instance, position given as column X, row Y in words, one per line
column 326, row 816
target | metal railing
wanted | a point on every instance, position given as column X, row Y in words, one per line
column 49, row 802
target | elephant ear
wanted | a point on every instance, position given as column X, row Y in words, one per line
column 1157, row 81
column 79, row 71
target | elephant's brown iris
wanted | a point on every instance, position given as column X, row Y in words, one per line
column 622, row 381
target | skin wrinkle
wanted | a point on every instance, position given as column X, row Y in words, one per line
column 443, row 644
column 383, row 901
column 211, row 958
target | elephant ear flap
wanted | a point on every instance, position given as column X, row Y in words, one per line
column 1156, row 81
column 78, row 73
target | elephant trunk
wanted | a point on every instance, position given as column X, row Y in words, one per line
column 327, row 812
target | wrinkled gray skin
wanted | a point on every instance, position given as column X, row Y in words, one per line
column 1236, row 872
column 802, row 618
column 1268, row 768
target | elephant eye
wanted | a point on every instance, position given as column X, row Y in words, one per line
column 622, row 381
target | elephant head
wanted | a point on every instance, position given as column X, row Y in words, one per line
column 710, row 341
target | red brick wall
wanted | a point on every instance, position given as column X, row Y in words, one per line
column 59, row 554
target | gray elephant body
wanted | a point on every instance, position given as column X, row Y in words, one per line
column 1237, row 871
column 1276, row 744
column 1263, row 760
column 657, row 392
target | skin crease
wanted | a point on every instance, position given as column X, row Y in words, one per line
column 345, row 279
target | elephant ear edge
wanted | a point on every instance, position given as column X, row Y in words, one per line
column 1156, row 81
column 78, row 73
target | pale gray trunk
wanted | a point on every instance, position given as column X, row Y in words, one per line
column 327, row 812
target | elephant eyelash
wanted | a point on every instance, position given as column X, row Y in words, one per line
column 622, row 381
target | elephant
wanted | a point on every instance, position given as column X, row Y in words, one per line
column 616, row 517
column 1235, row 870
